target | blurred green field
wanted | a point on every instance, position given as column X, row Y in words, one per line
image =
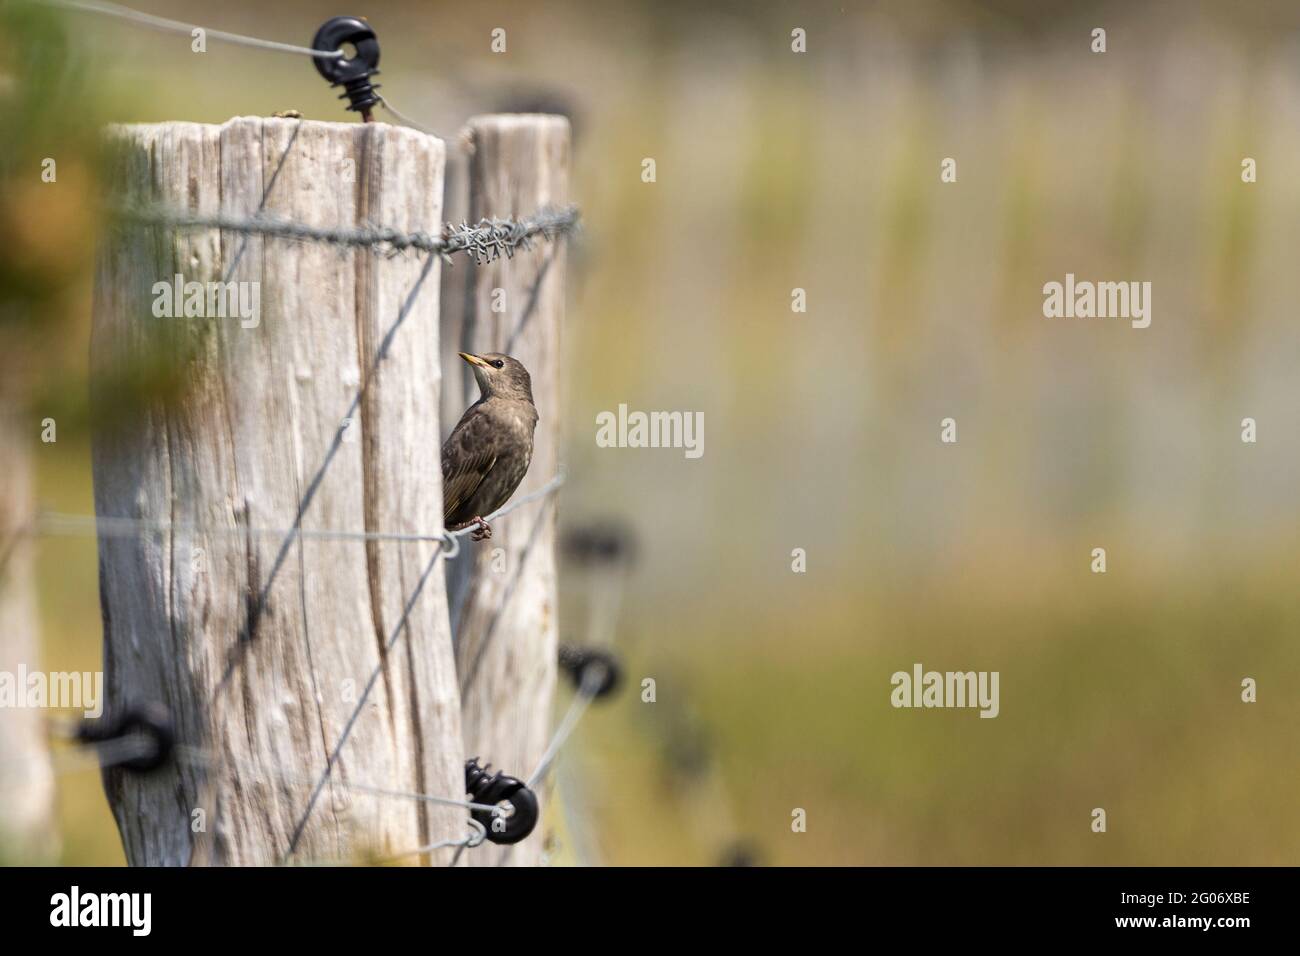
column 1114, row 698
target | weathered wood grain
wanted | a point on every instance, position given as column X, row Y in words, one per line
column 278, row 654
column 504, row 609
column 27, row 832
column 456, row 294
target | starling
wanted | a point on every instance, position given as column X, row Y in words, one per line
column 487, row 454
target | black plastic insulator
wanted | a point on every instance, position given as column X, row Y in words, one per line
column 603, row 542
column 354, row 74
column 740, row 853
column 483, row 787
column 587, row 663
column 148, row 721
column 688, row 750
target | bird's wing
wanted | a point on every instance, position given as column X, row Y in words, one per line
column 467, row 458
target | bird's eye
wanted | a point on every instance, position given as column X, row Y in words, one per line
column 497, row 363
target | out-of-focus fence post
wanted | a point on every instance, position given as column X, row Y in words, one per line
column 26, row 779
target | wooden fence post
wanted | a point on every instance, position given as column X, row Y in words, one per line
column 278, row 655
column 27, row 833
column 504, row 602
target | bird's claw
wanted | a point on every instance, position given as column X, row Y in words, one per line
column 482, row 532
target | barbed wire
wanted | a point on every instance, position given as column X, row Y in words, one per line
column 176, row 26
column 485, row 241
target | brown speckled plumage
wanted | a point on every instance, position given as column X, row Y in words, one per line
column 488, row 452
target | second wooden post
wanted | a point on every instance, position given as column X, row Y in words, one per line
column 503, row 591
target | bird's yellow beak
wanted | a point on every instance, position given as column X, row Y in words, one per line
column 473, row 359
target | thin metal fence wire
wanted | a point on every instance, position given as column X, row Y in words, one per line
column 195, row 756
column 176, row 26
column 402, row 117
column 477, row 834
column 591, row 681
column 86, row 755
column 62, row 524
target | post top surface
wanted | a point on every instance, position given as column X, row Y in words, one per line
column 321, row 126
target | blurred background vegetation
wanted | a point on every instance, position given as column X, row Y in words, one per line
column 821, row 171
